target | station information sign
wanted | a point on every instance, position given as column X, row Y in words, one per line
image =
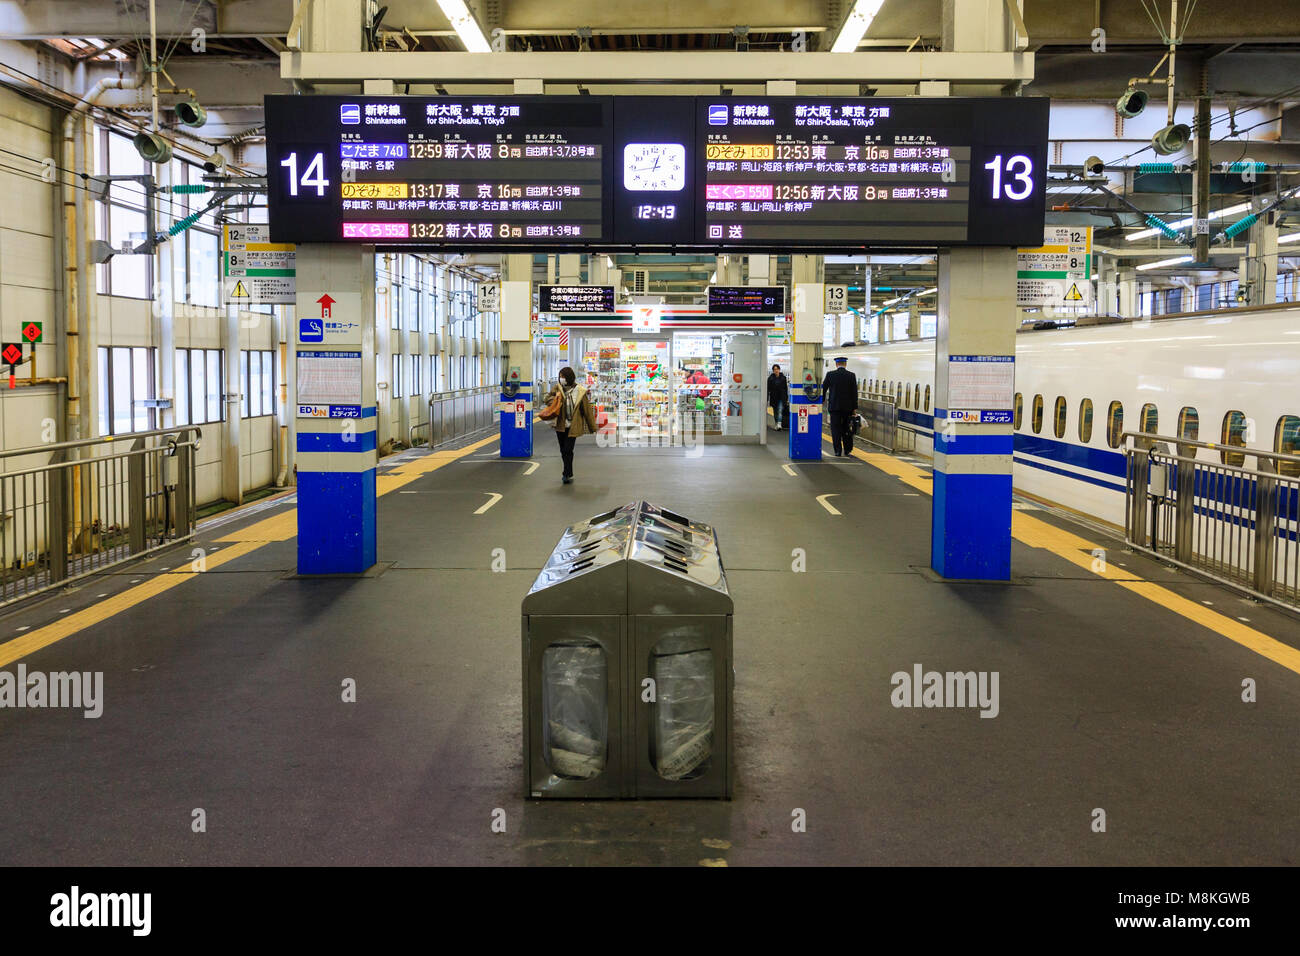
column 575, row 298
column 638, row 173
column 755, row 300
column 439, row 171
column 803, row 171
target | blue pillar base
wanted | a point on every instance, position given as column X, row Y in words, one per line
column 805, row 446
column 336, row 522
column 970, row 537
column 517, row 442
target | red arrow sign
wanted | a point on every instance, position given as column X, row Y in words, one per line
column 325, row 302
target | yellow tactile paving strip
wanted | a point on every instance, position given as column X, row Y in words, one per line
column 280, row 527
column 1078, row 551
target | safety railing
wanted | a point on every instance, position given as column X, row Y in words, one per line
column 879, row 422
column 454, row 415
column 92, row 504
column 1236, row 524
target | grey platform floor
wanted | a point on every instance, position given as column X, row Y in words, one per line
column 223, row 693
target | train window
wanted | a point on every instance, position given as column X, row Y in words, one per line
column 1038, row 414
column 916, row 396
column 1189, row 427
column 1234, row 433
column 1114, row 424
column 1085, row 420
column 1058, row 417
column 1020, row 411
column 927, row 398
column 1286, row 441
column 1149, row 422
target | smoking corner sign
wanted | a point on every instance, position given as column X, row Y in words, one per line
column 1057, row 274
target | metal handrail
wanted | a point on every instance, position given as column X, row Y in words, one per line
column 102, row 440
column 73, row 517
column 1213, row 446
column 1234, row 524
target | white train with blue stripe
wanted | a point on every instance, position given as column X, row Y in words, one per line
column 1231, row 377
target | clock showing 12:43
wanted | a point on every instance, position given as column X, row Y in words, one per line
column 654, row 167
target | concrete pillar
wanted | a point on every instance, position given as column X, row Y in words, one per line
column 759, row 270
column 914, row 318
column 569, row 269
column 386, row 343
column 232, row 488
column 1263, row 289
column 975, row 351
column 516, row 408
column 335, row 344
column 1127, row 285
column 728, row 270
column 807, row 275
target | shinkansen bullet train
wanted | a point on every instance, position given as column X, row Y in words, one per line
column 1231, row 377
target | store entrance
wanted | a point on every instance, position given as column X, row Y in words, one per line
column 681, row 388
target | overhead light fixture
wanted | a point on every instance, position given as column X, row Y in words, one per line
column 1171, row 139
column 1182, row 223
column 1293, row 237
column 856, row 24
column 190, row 113
column 1178, row 260
column 152, row 147
column 466, row 27
column 928, row 291
column 214, row 163
column 1131, row 103
column 1093, row 167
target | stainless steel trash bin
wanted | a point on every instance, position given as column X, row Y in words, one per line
column 627, row 639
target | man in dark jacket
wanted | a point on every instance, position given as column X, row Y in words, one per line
column 778, row 396
column 840, row 400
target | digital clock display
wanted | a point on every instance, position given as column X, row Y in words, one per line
column 656, row 212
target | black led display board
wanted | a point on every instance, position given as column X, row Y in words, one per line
column 775, row 174
column 575, row 298
column 754, row 299
column 807, row 171
column 439, row 171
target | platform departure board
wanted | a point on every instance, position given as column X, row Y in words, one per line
column 458, row 171
column 757, row 300
column 905, row 171
column 639, row 173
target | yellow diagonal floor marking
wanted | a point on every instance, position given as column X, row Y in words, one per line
column 279, row 527
column 102, row 610
column 1078, row 551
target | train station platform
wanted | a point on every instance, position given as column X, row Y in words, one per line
column 1120, row 685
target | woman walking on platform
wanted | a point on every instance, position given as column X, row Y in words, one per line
column 573, row 416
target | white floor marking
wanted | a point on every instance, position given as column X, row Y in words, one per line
column 24, row 627
column 495, row 498
column 532, row 467
column 408, row 492
column 789, row 470
column 821, row 500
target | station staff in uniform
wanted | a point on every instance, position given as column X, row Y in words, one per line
column 840, row 399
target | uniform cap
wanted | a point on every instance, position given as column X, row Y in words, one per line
column 840, row 359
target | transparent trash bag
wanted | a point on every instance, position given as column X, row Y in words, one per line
column 681, row 733
column 575, row 710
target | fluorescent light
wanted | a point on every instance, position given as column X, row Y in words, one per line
column 466, row 27
column 929, row 291
column 1230, row 211
column 855, row 26
column 1164, row 262
column 1293, row 237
